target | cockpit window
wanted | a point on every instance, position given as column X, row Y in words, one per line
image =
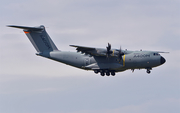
column 156, row 54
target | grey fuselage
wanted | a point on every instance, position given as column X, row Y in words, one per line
column 131, row 60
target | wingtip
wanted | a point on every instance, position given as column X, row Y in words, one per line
column 72, row 45
column 162, row 52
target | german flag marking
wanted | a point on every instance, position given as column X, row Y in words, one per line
column 26, row 32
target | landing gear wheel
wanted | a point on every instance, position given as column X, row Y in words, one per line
column 102, row 74
column 113, row 73
column 148, row 71
column 107, row 73
column 96, row 71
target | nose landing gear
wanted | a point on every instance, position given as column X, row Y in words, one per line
column 148, row 70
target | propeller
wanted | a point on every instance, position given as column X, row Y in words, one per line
column 108, row 50
column 120, row 54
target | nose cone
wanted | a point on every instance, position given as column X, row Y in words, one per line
column 162, row 60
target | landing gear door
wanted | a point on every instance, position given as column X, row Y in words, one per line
column 86, row 61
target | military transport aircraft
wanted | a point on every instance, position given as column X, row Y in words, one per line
column 105, row 61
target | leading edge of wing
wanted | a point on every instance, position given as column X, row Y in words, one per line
column 82, row 48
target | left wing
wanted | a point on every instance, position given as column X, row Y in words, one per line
column 90, row 50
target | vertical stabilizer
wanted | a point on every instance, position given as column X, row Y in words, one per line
column 39, row 38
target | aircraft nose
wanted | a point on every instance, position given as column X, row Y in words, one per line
column 162, row 60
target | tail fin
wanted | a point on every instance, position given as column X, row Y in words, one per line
column 38, row 37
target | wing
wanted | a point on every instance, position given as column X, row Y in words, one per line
column 95, row 51
column 90, row 50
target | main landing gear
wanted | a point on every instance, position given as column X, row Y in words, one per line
column 105, row 72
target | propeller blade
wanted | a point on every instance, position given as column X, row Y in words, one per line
column 108, row 50
column 120, row 54
column 108, row 47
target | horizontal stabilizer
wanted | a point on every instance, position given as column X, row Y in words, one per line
column 28, row 28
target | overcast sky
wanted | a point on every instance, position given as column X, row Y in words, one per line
column 32, row 84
